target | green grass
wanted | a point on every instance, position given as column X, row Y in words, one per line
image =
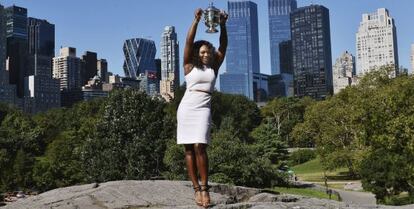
column 304, row 192
column 313, row 171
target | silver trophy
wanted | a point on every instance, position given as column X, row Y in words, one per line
column 211, row 18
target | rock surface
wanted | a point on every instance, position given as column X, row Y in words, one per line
column 172, row 194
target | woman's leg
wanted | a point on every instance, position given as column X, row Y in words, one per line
column 202, row 166
column 190, row 160
column 202, row 162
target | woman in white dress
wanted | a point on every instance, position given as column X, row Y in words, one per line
column 201, row 65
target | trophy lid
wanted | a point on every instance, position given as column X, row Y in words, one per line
column 211, row 7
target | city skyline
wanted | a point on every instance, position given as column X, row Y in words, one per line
column 90, row 28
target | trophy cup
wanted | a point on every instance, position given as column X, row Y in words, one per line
column 211, row 18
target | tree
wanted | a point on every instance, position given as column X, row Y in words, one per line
column 285, row 113
column 244, row 113
column 269, row 142
column 174, row 161
column 19, row 143
column 130, row 140
column 368, row 128
column 236, row 162
column 61, row 165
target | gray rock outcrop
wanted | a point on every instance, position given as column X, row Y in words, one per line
column 171, row 194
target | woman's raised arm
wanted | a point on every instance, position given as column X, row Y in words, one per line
column 188, row 49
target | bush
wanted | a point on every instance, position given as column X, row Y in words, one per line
column 301, row 156
column 398, row 200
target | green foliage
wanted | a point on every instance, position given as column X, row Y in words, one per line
column 369, row 129
column 402, row 199
column 19, row 142
column 384, row 173
column 301, row 156
column 4, row 110
column 244, row 113
column 64, row 131
column 236, row 162
column 174, row 161
column 130, row 139
column 61, row 165
column 285, row 113
column 269, row 143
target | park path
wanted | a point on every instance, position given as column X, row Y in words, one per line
column 354, row 197
column 360, row 198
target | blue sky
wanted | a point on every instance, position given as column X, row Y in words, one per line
column 103, row 25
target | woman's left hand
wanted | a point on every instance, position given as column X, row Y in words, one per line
column 223, row 17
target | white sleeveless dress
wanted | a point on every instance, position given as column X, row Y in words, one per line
column 193, row 114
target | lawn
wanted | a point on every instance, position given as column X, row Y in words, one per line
column 312, row 171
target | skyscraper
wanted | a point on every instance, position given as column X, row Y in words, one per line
column 412, row 58
column 170, row 67
column 2, row 41
column 41, row 39
column 311, row 48
column 376, row 42
column 139, row 57
column 7, row 91
column 67, row 67
column 102, row 68
column 279, row 28
column 17, row 46
column 344, row 72
column 41, row 91
column 242, row 56
column 89, row 66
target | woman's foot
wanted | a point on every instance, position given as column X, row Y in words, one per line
column 205, row 195
column 197, row 195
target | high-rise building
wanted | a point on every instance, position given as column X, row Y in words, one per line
column 41, row 91
column 242, row 56
column 102, row 68
column 311, row 49
column 17, row 46
column 260, row 87
column 139, row 57
column 412, row 58
column 67, row 67
column 149, row 83
column 170, row 67
column 2, row 41
column 285, row 57
column 376, row 42
column 7, row 91
column 279, row 29
column 41, row 39
column 284, row 82
column 89, row 66
column 344, row 72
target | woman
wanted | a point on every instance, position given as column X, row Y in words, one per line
column 201, row 65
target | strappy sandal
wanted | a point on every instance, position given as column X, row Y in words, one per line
column 197, row 195
column 206, row 197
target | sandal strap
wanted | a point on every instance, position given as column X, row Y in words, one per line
column 205, row 187
column 197, row 188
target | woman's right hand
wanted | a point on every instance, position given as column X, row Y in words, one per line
column 198, row 13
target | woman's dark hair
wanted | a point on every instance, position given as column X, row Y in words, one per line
column 196, row 50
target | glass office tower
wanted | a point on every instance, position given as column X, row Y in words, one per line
column 242, row 57
column 279, row 29
column 139, row 57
